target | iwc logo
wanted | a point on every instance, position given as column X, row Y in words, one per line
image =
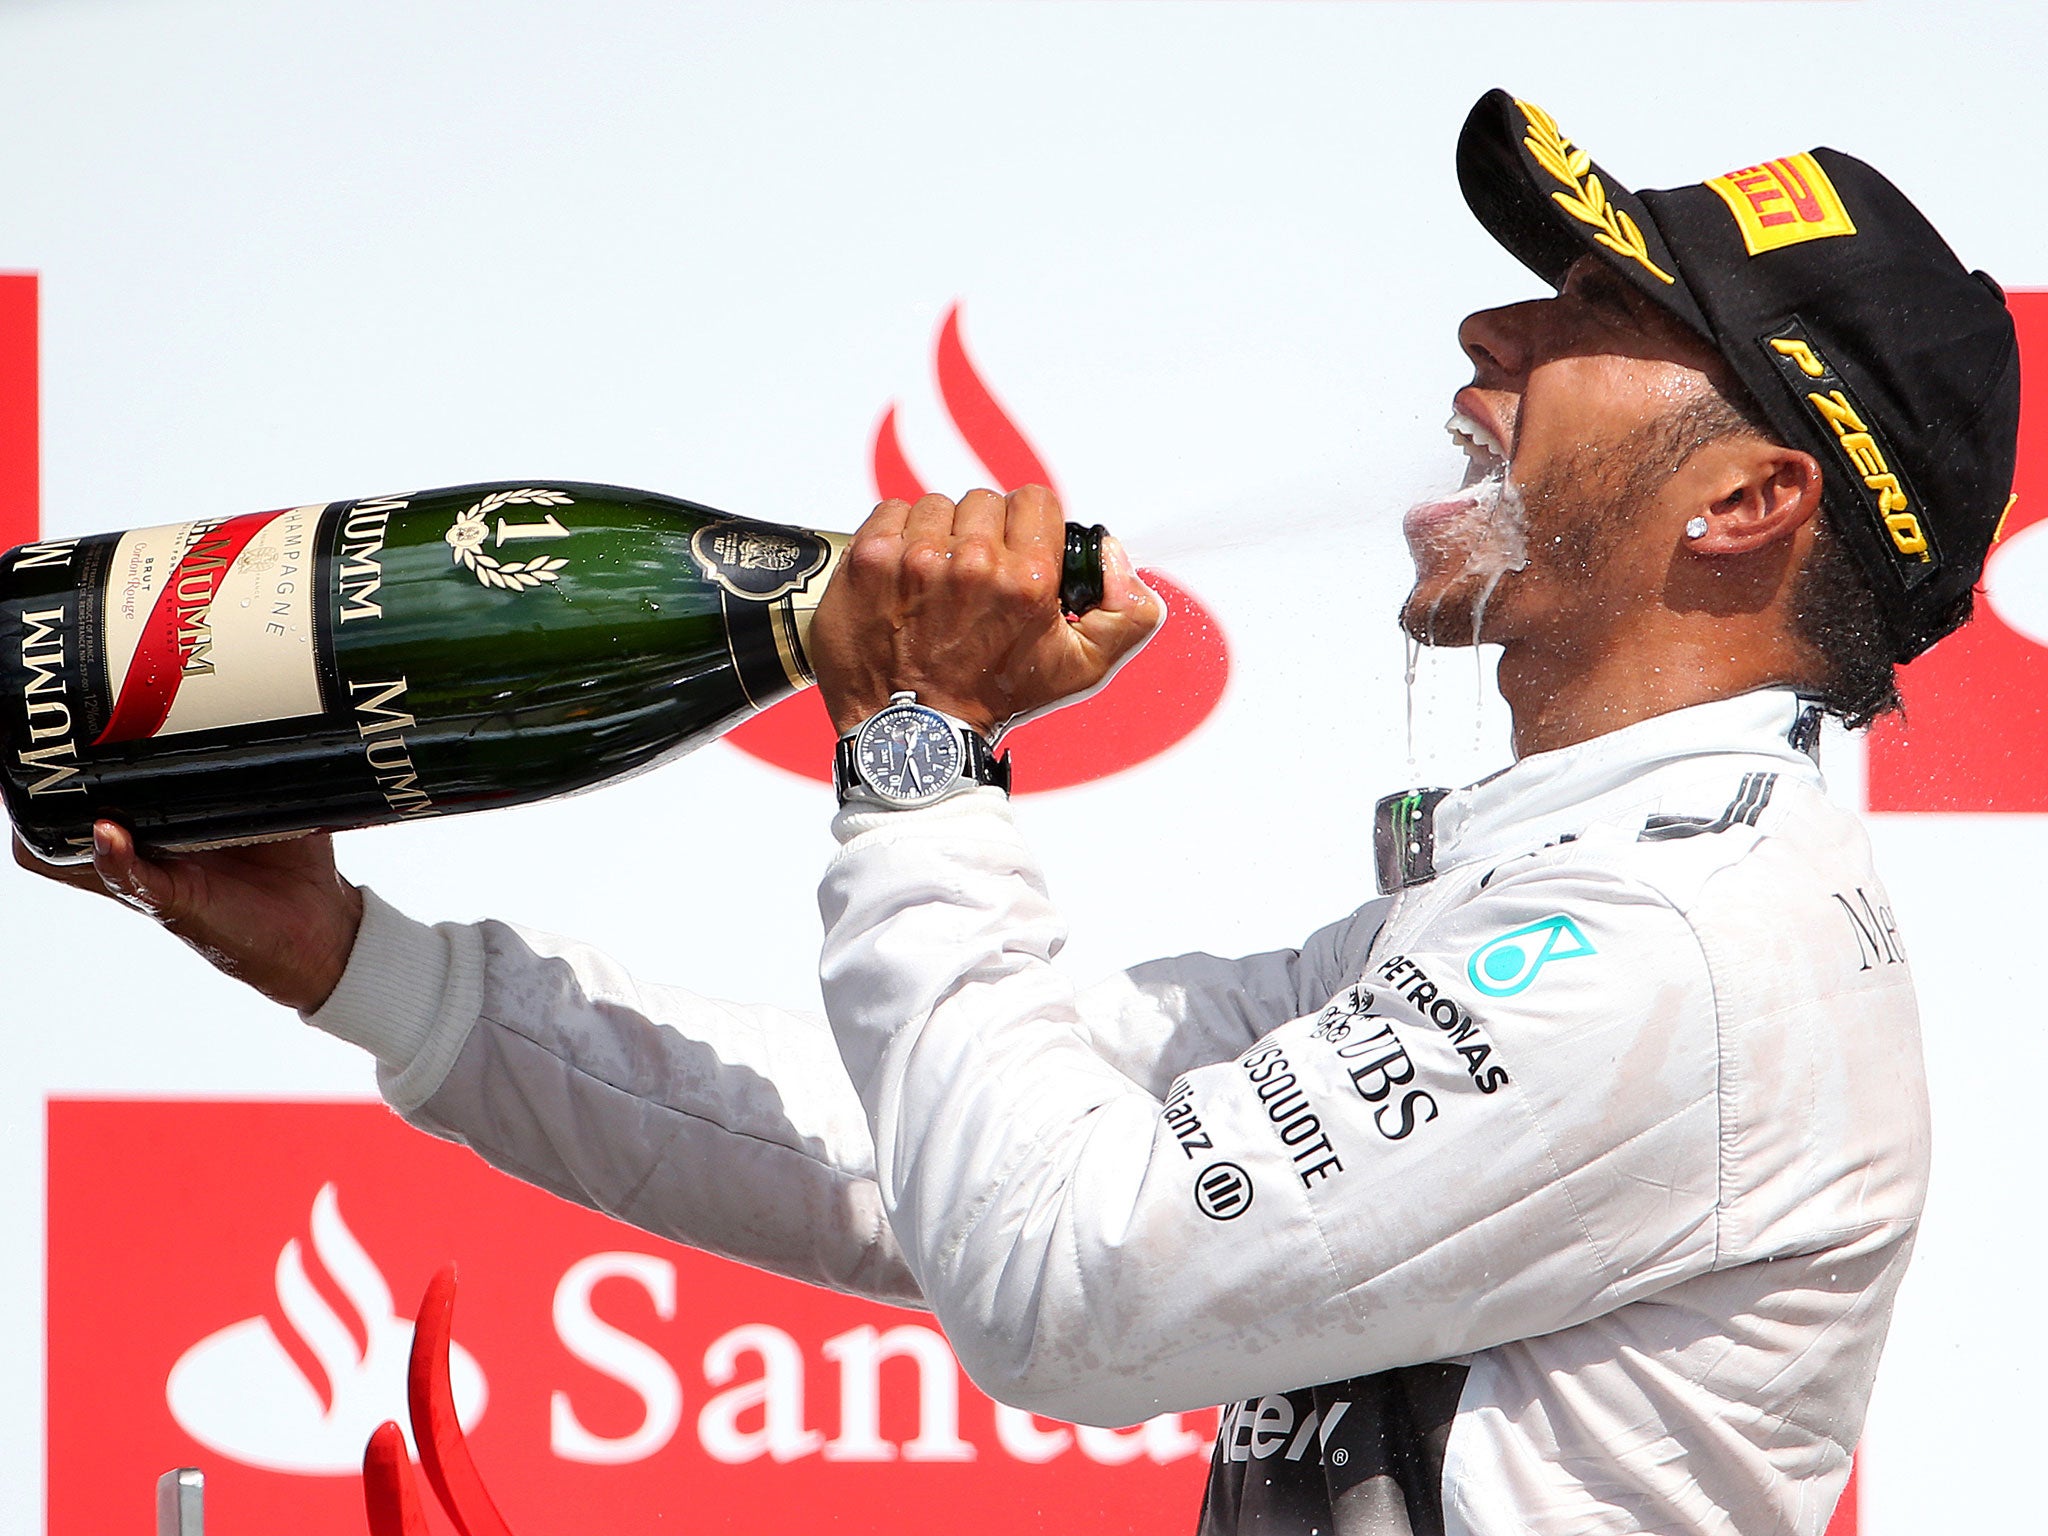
column 756, row 561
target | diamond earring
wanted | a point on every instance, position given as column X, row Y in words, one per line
column 1696, row 529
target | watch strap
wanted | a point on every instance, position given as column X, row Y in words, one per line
column 982, row 765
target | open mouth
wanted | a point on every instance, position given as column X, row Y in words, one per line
column 1485, row 457
column 1486, row 468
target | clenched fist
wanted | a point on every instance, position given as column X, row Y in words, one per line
column 961, row 605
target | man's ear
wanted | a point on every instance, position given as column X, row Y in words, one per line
column 1749, row 493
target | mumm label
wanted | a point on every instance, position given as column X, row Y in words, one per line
column 359, row 572
column 52, row 749
column 382, row 728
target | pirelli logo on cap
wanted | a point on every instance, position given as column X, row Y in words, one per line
column 1881, row 485
column 1783, row 202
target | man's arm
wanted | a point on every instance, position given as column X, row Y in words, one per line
column 730, row 1128
column 727, row 1127
column 1412, row 1173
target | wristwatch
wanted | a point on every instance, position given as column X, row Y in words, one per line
column 907, row 754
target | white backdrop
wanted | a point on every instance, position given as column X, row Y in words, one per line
column 1211, row 257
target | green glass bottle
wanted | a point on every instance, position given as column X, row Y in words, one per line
column 363, row 662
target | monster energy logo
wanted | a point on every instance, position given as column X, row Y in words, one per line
column 1407, row 811
column 1404, row 838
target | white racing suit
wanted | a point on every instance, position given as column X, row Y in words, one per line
column 1565, row 1191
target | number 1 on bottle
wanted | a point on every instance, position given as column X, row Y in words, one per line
column 546, row 530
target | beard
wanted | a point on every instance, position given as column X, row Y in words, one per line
column 1461, row 560
column 1477, row 574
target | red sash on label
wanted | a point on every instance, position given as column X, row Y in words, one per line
column 170, row 635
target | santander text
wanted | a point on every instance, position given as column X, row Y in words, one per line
column 760, row 1407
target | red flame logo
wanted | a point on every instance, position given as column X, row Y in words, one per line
column 299, row 1387
column 322, row 1323
column 1157, row 700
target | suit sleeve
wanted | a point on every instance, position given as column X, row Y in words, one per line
column 729, row 1127
column 1504, row 1131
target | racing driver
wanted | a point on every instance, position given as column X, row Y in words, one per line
column 1563, row 1188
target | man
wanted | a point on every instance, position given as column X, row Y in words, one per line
column 1564, row 1188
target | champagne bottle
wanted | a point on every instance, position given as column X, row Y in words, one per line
column 365, row 662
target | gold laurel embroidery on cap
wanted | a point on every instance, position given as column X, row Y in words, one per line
column 1587, row 202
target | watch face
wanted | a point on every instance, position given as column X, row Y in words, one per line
column 907, row 753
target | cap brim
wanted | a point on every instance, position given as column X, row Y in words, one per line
column 1548, row 203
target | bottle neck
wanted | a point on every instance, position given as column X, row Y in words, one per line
column 1081, row 572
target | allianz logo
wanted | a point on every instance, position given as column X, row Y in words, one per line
column 305, row 1401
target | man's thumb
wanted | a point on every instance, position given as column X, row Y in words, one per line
column 1130, row 612
column 128, row 876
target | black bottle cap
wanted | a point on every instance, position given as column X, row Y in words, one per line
column 1081, row 573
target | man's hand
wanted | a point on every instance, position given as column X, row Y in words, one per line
column 961, row 604
column 276, row 915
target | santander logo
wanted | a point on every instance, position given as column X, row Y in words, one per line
column 1157, row 700
column 633, row 1385
column 305, row 1398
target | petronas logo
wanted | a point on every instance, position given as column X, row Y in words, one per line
column 1511, row 963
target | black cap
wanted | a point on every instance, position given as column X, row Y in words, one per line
column 1848, row 319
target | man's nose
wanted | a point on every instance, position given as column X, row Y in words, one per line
column 1499, row 342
